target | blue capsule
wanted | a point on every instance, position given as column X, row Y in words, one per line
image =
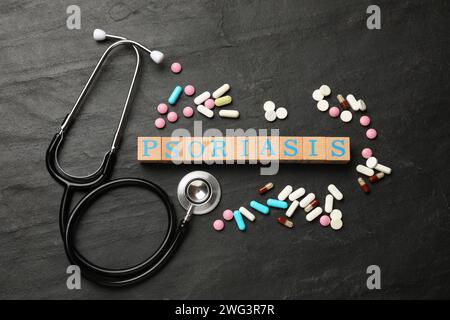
column 175, row 95
column 239, row 220
column 259, row 207
column 277, row 204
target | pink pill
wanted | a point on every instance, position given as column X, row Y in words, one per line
column 175, row 67
column 364, row 121
column 371, row 133
column 160, row 123
column 218, row 225
column 366, row 153
column 189, row 90
column 162, row 108
column 210, row 103
column 172, row 116
column 188, row 112
column 334, row 112
column 324, row 221
column 228, row 215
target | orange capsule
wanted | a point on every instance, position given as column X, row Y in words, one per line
column 285, row 222
column 376, row 177
column 363, row 185
column 312, row 205
column 265, row 188
column 344, row 103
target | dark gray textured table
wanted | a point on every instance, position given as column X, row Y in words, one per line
column 279, row 50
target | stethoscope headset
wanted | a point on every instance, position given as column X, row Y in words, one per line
column 198, row 192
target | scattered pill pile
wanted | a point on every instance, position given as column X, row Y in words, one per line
column 272, row 112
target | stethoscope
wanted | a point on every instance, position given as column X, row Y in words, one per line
column 198, row 192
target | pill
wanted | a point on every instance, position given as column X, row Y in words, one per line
column 346, row 116
column 297, row 194
column 364, row 170
column 277, row 204
column 246, row 213
column 363, row 185
column 285, row 222
column 239, row 220
column 352, row 102
column 188, row 112
column 162, row 108
column 270, row 116
column 281, row 113
column 223, row 101
column 294, row 205
column 259, row 207
column 383, row 168
column 205, row 111
column 371, row 133
column 336, row 224
column 329, row 203
column 307, row 200
column 336, row 214
column 172, row 117
column 312, row 205
column 334, row 112
column 209, row 103
column 335, row 192
column 285, row 192
column 160, row 123
column 314, row 214
column 265, row 188
column 323, row 105
column 371, row 162
column 325, row 90
column 342, row 102
column 269, row 106
column 364, row 121
column 176, row 67
column 317, row 95
column 189, row 90
column 221, row 91
column 228, row 215
column 362, row 105
column 325, row 221
column 376, row 177
column 366, row 153
column 175, row 95
column 231, row 114
column 202, row 97
column 218, row 225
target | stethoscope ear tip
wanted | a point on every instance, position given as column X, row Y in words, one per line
column 99, row 35
column 157, row 56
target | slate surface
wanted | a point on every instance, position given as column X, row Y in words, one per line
column 279, row 50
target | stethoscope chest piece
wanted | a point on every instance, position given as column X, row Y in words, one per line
column 201, row 190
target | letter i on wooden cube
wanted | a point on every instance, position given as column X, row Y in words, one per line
column 314, row 149
column 246, row 149
column 149, row 149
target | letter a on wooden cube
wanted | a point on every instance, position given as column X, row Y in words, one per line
column 269, row 148
column 338, row 149
column 314, row 149
column 149, row 149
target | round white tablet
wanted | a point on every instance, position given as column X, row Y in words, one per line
column 336, row 214
column 317, row 95
column 270, row 115
column 282, row 113
column 269, row 106
column 323, row 105
column 325, row 90
column 346, row 116
column 336, row 224
column 371, row 162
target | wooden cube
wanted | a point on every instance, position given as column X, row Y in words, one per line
column 314, row 149
column 246, row 149
column 291, row 149
column 149, row 149
column 172, row 149
column 338, row 149
column 268, row 148
column 193, row 150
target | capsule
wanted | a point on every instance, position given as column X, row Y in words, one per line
column 277, row 204
column 312, row 205
column 223, row 101
column 239, row 220
column 290, row 211
column 376, row 177
column 285, row 193
column 259, row 207
column 307, row 200
column 285, row 222
column 221, row 91
column 265, row 188
column 175, row 95
column 363, row 185
column 344, row 103
column 246, row 213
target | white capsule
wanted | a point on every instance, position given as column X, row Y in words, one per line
column 336, row 214
column 270, row 115
column 202, row 97
column 335, row 192
column 307, row 200
column 323, row 105
column 285, row 193
column 246, row 213
column 269, row 106
column 346, row 116
column 364, row 170
column 362, row 105
column 325, row 90
column 221, row 91
column 314, row 214
column 352, row 102
column 383, row 169
column 281, row 113
column 329, row 203
column 336, row 224
column 290, row 211
column 205, row 111
column 317, row 95
column 297, row 194
column 371, row 162
column 232, row 114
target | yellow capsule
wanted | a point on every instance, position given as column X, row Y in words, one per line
column 223, row 101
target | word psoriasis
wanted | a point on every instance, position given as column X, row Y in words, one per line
column 246, row 149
